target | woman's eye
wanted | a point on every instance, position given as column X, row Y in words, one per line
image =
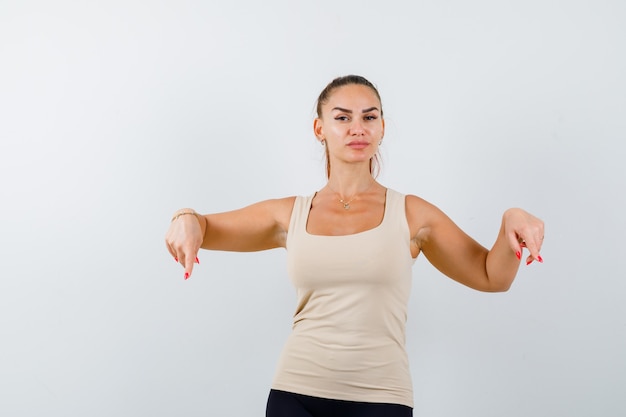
column 342, row 118
column 370, row 117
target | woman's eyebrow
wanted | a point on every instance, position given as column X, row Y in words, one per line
column 341, row 109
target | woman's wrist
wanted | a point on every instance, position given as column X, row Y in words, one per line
column 183, row 212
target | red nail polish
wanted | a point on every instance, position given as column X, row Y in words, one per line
column 519, row 255
column 186, row 275
column 176, row 259
column 529, row 262
column 197, row 260
column 539, row 258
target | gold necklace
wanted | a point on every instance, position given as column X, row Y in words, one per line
column 346, row 204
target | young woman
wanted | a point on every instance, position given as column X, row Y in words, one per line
column 350, row 249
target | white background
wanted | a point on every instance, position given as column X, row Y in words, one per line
column 115, row 114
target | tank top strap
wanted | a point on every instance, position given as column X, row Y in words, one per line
column 396, row 211
column 299, row 216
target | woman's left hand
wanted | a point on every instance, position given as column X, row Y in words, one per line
column 523, row 230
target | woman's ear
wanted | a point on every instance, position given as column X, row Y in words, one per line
column 318, row 129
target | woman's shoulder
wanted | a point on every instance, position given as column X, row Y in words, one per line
column 282, row 204
column 412, row 201
column 279, row 208
column 421, row 213
column 419, row 204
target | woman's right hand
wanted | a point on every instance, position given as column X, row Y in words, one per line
column 184, row 238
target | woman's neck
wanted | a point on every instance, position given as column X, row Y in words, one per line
column 348, row 184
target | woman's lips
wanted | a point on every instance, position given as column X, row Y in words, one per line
column 358, row 144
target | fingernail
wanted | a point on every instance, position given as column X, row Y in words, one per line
column 519, row 255
column 186, row 275
column 529, row 262
column 197, row 260
column 176, row 259
column 539, row 258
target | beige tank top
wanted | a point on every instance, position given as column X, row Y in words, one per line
column 348, row 338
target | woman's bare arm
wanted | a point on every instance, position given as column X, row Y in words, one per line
column 256, row 227
column 461, row 258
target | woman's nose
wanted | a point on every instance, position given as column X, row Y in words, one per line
column 357, row 128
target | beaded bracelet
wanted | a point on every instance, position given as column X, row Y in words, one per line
column 177, row 215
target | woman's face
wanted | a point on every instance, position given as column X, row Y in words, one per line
column 351, row 124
